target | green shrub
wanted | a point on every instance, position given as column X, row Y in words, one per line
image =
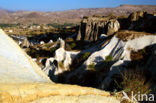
column 61, row 65
column 52, row 49
column 109, row 58
column 85, row 55
column 79, row 60
column 73, row 45
column 91, row 66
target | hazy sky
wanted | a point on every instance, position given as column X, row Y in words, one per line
column 55, row 5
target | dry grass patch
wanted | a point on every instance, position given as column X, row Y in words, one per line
column 126, row 35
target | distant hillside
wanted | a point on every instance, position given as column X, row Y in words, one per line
column 70, row 16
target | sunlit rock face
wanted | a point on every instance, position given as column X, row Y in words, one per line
column 118, row 48
column 15, row 65
column 131, row 45
column 113, row 57
column 114, row 48
column 91, row 28
column 63, row 59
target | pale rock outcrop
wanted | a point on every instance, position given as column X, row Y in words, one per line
column 61, row 56
column 15, row 65
column 53, row 93
column 49, row 65
column 114, row 48
column 136, row 15
column 42, row 42
column 120, row 49
column 113, row 26
column 25, row 43
column 135, row 44
column 92, row 27
column 120, row 52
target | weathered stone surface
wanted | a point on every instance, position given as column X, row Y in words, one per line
column 50, row 93
column 118, row 50
column 15, row 65
column 134, row 44
column 62, row 57
column 91, row 28
column 142, row 21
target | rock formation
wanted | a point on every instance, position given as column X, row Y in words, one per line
column 130, row 45
column 142, row 21
column 91, row 28
column 16, row 65
column 110, row 59
column 22, row 81
column 25, row 43
column 62, row 57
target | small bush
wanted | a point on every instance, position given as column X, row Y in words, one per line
column 91, row 66
column 73, row 45
column 52, row 49
column 61, row 65
column 79, row 60
column 109, row 58
column 85, row 55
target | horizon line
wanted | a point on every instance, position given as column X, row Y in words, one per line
column 1, row 8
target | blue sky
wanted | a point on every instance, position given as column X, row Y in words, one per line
column 57, row 5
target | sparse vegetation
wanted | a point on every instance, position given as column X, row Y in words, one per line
column 79, row 60
column 109, row 58
column 61, row 65
column 135, row 81
column 53, row 49
column 73, row 45
column 91, row 67
column 85, row 55
column 55, row 25
column 8, row 25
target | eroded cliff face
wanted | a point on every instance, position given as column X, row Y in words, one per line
column 91, row 28
column 142, row 21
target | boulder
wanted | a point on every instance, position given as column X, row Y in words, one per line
column 136, row 16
